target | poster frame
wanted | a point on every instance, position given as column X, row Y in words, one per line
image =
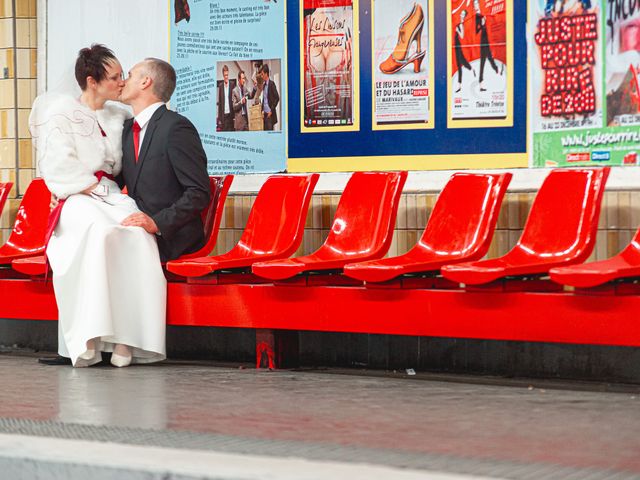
column 355, row 127
column 483, row 122
column 430, row 124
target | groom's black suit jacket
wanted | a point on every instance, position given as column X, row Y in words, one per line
column 170, row 181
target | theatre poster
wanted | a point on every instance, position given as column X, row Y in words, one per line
column 329, row 66
column 479, row 63
column 584, row 70
column 229, row 60
column 402, row 68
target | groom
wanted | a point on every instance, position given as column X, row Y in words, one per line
column 164, row 166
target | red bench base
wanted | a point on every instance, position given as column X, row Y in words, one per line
column 560, row 317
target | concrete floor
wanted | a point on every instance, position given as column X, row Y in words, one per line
column 409, row 425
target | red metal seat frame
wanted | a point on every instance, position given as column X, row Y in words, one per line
column 274, row 228
column 27, row 237
column 459, row 229
column 211, row 218
column 362, row 228
column 560, row 230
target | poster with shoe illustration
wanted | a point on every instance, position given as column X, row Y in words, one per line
column 329, row 66
column 402, row 64
column 478, row 73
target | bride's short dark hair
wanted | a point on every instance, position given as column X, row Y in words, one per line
column 92, row 62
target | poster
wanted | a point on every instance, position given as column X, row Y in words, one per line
column 402, row 64
column 230, row 79
column 622, row 53
column 479, row 73
column 329, row 65
column 585, row 86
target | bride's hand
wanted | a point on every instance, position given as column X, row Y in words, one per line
column 87, row 191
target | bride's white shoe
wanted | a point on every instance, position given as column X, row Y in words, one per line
column 118, row 360
column 88, row 355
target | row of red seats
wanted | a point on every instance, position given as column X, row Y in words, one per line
column 558, row 236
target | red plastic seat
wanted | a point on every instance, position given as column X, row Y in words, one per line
column 27, row 237
column 274, row 228
column 212, row 215
column 459, row 229
column 362, row 227
column 560, row 230
column 5, row 188
column 211, row 218
column 626, row 264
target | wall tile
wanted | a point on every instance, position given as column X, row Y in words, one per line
column 624, row 210
column 229, row 214
column 326, row 211
column 335, row 200
column 238, row 220
column 7, row 124
column 23, row 122
column 8, row 153
column 26, row 8
column 9, row 214
column 7, row 67
column 503, row 216
column 613, row 243
column 25, row 175
column 421, row 210
column 412, row 214
column 513, row 212
column 601, row 245
column 26, row 33
column 401, row 217
column 23, row 63
column 634, row 206
column 7, row 93
column 26, row 154
column 611, row 203
column 6, row 33
column 6, row 8
column 26, row 93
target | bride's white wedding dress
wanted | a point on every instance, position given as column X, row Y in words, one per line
column 108, row 280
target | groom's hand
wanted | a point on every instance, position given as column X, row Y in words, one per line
column 141, row 220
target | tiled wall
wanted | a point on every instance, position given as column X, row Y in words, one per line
column 619, row 219
column 17, row 92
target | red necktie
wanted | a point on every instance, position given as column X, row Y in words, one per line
column 136, row 138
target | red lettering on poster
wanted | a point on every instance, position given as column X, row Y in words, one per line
column 567, row 56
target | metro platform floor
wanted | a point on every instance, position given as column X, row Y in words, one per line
column 184, row 420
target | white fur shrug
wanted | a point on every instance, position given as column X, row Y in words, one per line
column 70, row 147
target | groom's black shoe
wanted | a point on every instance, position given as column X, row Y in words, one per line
column 57, row 360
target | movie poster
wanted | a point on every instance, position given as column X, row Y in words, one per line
column 230, row 79
column 622, row 68
column 478, row 57
column 402, row 70
column 328, row 63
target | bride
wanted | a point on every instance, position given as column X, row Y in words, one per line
column 108, row 281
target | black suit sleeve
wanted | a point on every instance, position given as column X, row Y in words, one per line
column 189, row 163
column 276, row 95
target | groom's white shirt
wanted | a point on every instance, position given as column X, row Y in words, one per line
column 143, row 119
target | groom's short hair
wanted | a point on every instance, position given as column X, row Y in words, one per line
column 163, row 76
